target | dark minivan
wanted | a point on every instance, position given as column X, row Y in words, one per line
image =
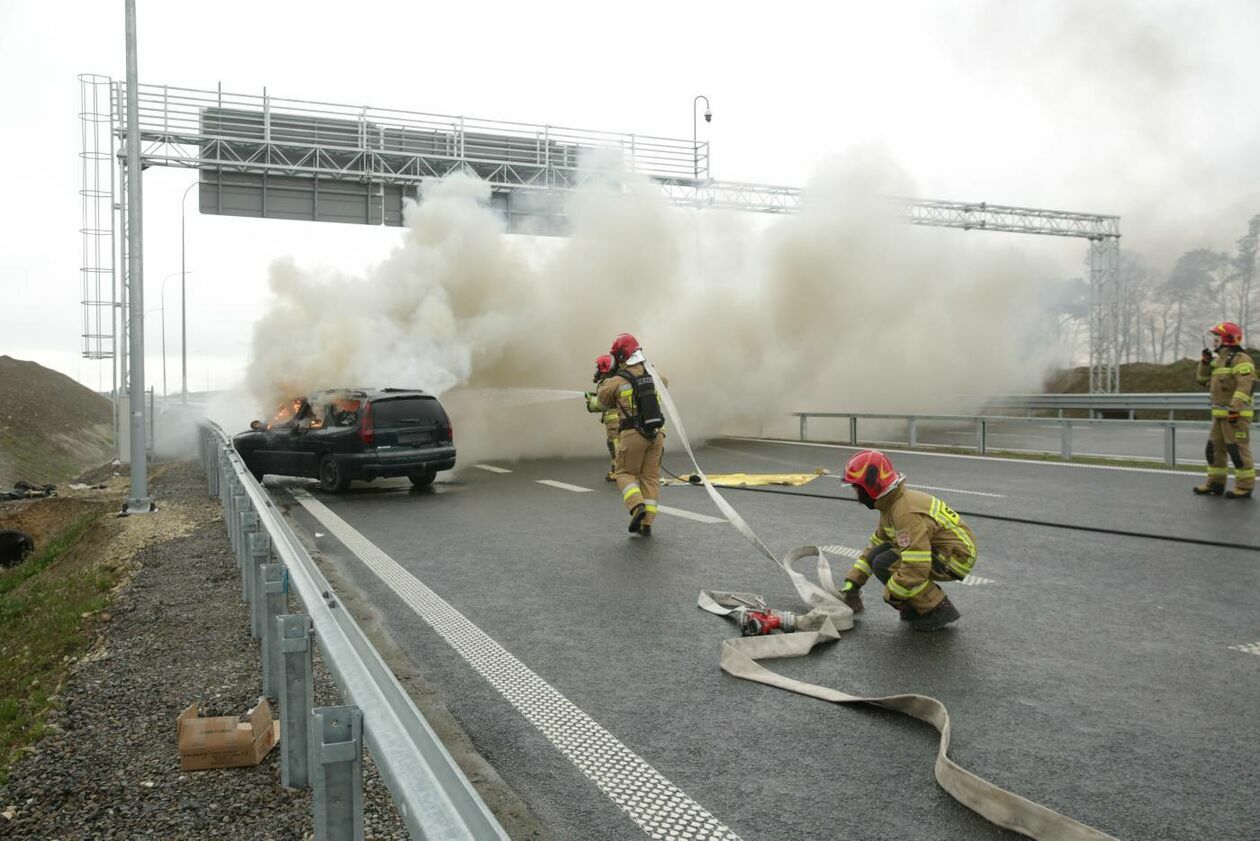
column 339, row 435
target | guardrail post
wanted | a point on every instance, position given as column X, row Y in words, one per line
column 251, row 578
column 912, row 431
column 803, row 420
column 853, row 430
column 210, row 461
column 982, row 445
column 338, row 778
column 274, row 601
column 249, row 528
column 297, row 695
column 1066, row 449
column 239, row 501
column 1170, row 445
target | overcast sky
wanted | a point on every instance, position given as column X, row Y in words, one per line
column 1146, row 109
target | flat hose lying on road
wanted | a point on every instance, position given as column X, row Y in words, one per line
column 828, row 617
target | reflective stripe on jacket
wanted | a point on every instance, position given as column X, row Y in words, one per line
column 1231, row 380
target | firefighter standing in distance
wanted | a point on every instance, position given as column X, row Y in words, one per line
column 609, row 417
column 1231, row 376
column 920, row 540
column 631, row 391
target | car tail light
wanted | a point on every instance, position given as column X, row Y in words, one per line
column 367, row 431
column 450, row 432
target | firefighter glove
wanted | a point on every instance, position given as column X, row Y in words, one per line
column 1207, row 357
column 1233, row 416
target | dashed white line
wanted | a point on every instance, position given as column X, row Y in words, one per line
column 490, row 468
column 690, row 515
column 1249, row 648
column 564, row 486
column 934, row 488
column 660, row 808
column 960, row 491
column 850, row 552
column 1016, row 461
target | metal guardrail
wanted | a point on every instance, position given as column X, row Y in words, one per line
column 982, row 423
column 323, row 747
column 1170, row 402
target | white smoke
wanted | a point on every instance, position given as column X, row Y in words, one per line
column 841, row 307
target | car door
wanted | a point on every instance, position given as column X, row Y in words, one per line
column 284, row 439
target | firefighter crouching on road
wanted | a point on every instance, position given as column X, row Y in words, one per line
column 920, row 540
column 1231, row 376
column 609, row 417
column 631, row 391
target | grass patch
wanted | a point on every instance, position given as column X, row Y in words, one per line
column 41, row 624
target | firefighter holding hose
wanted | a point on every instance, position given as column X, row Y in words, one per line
column 630, row 391
column 919, row 541
column 1230, row 375
column 609, row 417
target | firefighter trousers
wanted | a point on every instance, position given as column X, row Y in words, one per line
column 1230, row 442
column 638, row 471
column 612, row 440
column 884, row 561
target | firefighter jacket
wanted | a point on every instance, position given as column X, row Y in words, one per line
column 920, row 528
column 616, row 394
column 1231, row 378
column 608, row 417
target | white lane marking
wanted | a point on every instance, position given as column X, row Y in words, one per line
column 1182, row 473
column 850, row 552
column 564, row 486
column 490, row 468
column 846, row 551
column 934, row 488
column 1249, row 648
column 660, row 808
column 689, row 515
column 977, row 581
column 959, row 491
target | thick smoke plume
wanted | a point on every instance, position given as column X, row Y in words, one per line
column 839, row 307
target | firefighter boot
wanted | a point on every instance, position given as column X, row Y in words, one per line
column 937, row 617
column 1236, row 494
column 1209, row 489
column 852, row 596
column 636, row 517
column 646, row 531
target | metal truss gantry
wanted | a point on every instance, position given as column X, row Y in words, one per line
column 268, row 157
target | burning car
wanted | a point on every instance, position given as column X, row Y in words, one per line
column 340, row 435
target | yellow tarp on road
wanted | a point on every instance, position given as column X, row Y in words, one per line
column 748, row 480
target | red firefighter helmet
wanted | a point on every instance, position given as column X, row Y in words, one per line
column 871, row 471
column 1230, row 333
column 603, row 364
column 623, row 346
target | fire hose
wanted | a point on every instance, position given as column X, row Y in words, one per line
column 827, row 618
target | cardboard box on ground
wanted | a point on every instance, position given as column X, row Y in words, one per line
column 226, row 741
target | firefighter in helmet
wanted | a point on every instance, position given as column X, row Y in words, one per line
column 919, row 541
column 631, row 391
column 609, row 417
column 1230, row 374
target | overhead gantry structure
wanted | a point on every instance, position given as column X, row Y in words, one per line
column 269, row 157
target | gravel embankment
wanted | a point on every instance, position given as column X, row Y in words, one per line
column 177, row 634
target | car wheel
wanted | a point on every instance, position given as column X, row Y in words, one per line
column 422, row 478
column 331, row 477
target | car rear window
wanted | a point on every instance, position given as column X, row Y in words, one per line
column 407, row 411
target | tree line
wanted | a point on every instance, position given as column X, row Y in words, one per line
column 1164, row 313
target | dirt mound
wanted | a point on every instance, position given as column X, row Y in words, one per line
column 1135, row 378
column 51, row 428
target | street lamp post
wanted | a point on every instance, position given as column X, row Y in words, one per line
column 181, row 273
column 695, row 144
column 183, row 309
